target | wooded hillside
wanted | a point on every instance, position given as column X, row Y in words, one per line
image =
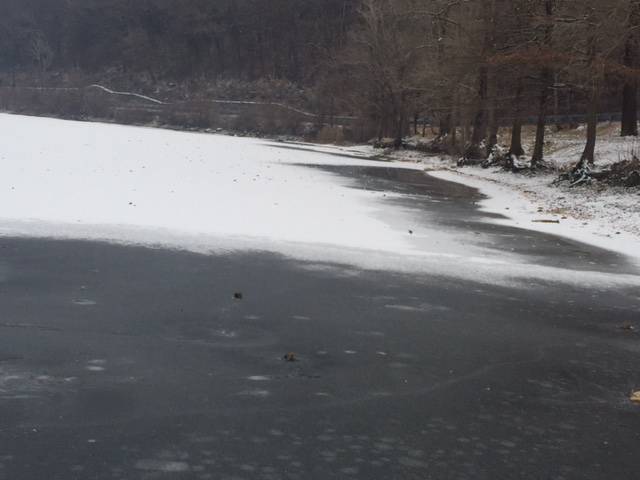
column 468, row 66
column 174, row 39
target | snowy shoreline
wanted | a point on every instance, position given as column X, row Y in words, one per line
column 602, row 216
column 219, row 194
column 526, row 208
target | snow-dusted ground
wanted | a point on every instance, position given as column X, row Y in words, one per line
column 607, row 217
column 212, row 193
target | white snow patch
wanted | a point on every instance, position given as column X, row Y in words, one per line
column 87, row 174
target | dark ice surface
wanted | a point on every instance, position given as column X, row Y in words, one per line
column 122, row 362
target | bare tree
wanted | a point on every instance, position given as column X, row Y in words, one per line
column 545, row 46
column 382, row 61
column 631, row 62
column 590, row 29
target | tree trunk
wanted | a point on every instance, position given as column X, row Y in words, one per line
column 630, row 109
column 400, row 118
column 516, row 150
column 473, row 151
column 588, row 155
column 480, row 121
column 453, row 139
column 455, row 120
column 397, row 141
column 445, row 125
column 492, row 136
column 547, row 77
column 492, row 115
column 332, row 112
column 630, row 90
column 538, row 149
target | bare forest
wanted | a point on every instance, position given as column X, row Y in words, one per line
column 465, row 68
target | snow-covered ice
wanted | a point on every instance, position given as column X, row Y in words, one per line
column 72, row 174
column 213, row 193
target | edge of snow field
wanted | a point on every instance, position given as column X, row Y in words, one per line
column 336, row 259
column 521, row 212
column 214, row 194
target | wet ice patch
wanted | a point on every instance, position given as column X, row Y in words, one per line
column 370, row 334
column 336, row 270
column 255, row 393
column 424, row 307
column 406, row 356
column 406, row 308
column 225, row 333
column 398, row 365
column 94, row 368
column 4, row 272
column 349, row 470
column 96, row 365
column 18, row 382
column 412, row 462
column 6, row 379
column 84, row 302
column 381, row 394
column 162, row 466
